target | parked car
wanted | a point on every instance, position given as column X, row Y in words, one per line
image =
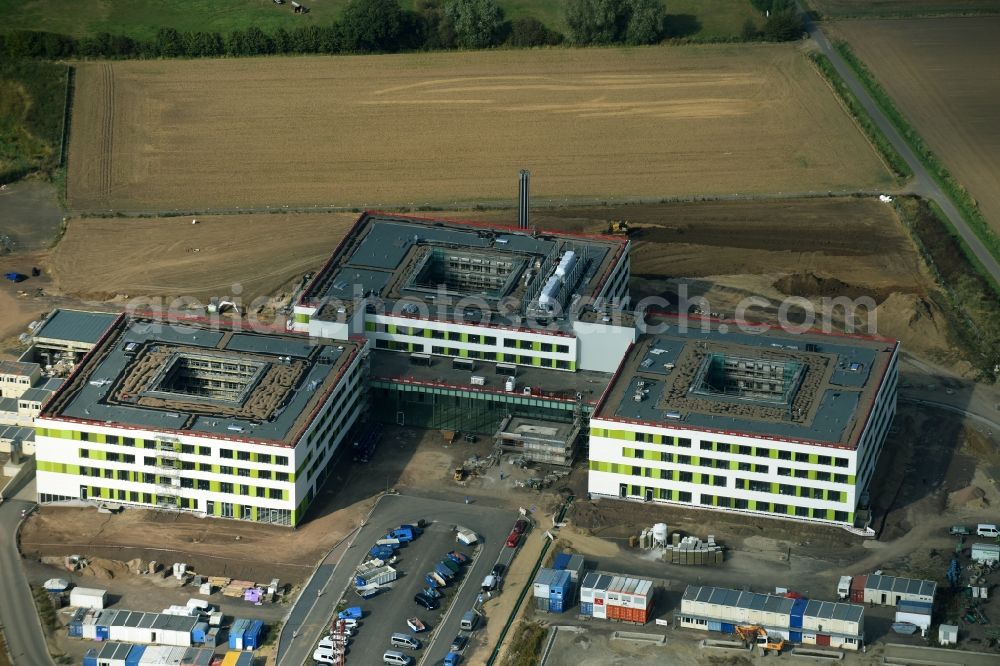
column 452, row 659
column 422, row 599
column 498, row 570
column 960, row 530
column 513, row 540
column 458, row 643
column 520, row 526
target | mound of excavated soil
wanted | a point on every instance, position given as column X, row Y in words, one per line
column 915, row 320
column 104, row 569
column 809, row 284
column 972, row 497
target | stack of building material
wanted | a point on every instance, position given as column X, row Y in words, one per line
column 553, row 590
column 692, row 550
column 254, row 595
column 798, row 620
column 236, row 588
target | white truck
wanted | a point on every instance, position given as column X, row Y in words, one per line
column 844, row 587
column 468, row 537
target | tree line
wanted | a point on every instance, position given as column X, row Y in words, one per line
column 382, row 26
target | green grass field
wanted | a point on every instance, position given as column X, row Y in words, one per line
column 695, row 19
column 32, row 99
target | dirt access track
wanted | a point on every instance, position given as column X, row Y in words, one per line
column 941, row 73
column 420, row 129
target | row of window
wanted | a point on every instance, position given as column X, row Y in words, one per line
column 221, row 509
column 186, row 465
column 185, row 482
column 417, row 347
column 189, row 449
column 723, row 447
column 471, row 338
column 735, row 503
column 722, row 463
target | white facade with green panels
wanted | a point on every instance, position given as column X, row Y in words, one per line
column 189, row 472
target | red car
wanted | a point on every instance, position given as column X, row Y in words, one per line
column 513, row 539
column 520, row 526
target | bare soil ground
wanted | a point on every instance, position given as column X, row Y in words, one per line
column 942, row 75
column 171, row 257
column 725, row 251
column 835, row 8
column 418, row 129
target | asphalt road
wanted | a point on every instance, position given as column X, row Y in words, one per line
column 492, row 526
column 923, row 183
column 21, row 626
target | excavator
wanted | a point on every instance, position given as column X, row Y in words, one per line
column 618, row 227
column 753, row 635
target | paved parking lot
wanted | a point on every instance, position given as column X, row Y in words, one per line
column 388, row 611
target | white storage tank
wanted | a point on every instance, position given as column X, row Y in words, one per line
column 566, row 264
column 659, row 534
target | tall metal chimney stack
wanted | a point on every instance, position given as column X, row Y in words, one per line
column 522, row 199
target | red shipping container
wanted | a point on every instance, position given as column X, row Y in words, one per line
column 641, row 615
column 858, row 589
column 822, row 639
column 614, row 612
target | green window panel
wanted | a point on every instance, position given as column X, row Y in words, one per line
column 696, row 478
column 301, row 318
column 535, row 360
column 851, row 479
column 695, row 460
column 463, row 337
column 774, row 488
column 598, row 432
column 215, row 486
column 428, row 333
column 814, row 458
column 369, row 326
column 572, row 365
column 812, row 474
column 284, row 495
column 850, row 518
column 733, row 464
column 829, row 514
column 773, row 453
column 59, row 468
column 627, row 452
column 752, row 505
column 217, row 509
column 537, row 346
column 254, row 473
column 391, row 328
column 463, row 353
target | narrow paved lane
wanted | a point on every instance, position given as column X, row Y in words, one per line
column 923, row 183
column 21, row 626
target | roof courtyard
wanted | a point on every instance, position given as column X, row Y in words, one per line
column 809, row 387
column 193, row 379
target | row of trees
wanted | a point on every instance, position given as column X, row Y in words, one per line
column 384, row 26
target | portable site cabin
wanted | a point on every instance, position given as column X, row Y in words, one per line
column 915, row 612
column 88, row 597
column 236, row 632
column 889, row 590
column 798, row 620
column 114, row 654
column 948, row 634
column 986, row 552
column 594, row 595
column 238, row 659
column 149, row 628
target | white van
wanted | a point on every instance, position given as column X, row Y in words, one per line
column 404, row 641
column 982, row 529
column 327, row 654
column 394, row 658
column 469, row 621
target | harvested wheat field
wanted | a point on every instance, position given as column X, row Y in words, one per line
column 170, row 257
column 419, row 129
column 942, row 74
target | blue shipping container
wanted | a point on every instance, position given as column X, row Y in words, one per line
column 798, row 609
column 556, row 605
column 586, row 608
column 254, row 635
column 135, row 655
column 562, row 559
column 236, row 634
column 728, row 628
column 795, row 636
column 103, row 633
column 714, row 625
column 90, row 658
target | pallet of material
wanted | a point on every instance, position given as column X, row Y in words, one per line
column 219, row 581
